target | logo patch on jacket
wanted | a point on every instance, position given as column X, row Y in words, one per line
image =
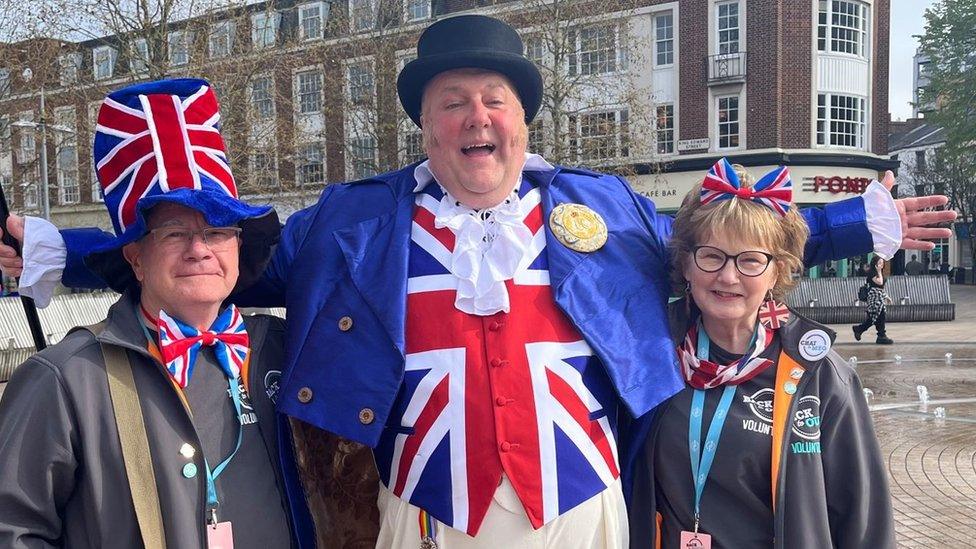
column 806, row 425
column 761, row 405
column 272, row 383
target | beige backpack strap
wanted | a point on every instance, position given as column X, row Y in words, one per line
column 135, row 445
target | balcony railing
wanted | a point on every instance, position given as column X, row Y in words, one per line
column 726, row 68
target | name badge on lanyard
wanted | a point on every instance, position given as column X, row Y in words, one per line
column 702, row 457
column 220, row 536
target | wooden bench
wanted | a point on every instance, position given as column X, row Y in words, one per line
column 834, row 300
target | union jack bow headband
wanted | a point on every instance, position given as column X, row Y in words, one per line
column 774, row 190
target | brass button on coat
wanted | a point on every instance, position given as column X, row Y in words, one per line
column 304, row 395
column 345, row 323
column 366, row 416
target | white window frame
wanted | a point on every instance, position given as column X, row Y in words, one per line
column 719, row 123
column 69, row 65
column 826, row 26
column 272, row 170
column 406, row 129
column 531, row 42
column 31, row 193
column 300, row 156
column 825, row 122
column 622, row 143
column 537, row 136
column 672, row 129
column 178, row 48
column 354, row 19
column 303, row 34
column 299, row 94
column 27, row 139
column 220, row 43
column 370, row 98
column 406, row 155
column 353, row 160
column 110, row 55
column 409, row 18
column 271, row 93
column 618, row 58
column 96, row 188
column 139, row 56
column 263, row 24
column 719, row 43
column 658, row 40
column 66, row 117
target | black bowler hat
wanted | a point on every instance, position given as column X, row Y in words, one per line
column 470, row 41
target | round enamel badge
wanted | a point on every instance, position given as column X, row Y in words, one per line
column 814, row 345
column 578, row 227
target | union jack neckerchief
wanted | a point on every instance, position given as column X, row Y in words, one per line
column 774, row 190
column 705, row 374
column 179, row 344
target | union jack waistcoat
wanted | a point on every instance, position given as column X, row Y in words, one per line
column 519, row 393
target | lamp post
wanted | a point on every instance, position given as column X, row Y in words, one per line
column 43, row 125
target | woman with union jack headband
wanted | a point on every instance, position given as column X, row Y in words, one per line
column 770, row 444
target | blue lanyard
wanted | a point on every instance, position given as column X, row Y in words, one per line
column 235, row 394
column 701, row 460
column 212, row 501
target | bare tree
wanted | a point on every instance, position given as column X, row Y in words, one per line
column 596, row 95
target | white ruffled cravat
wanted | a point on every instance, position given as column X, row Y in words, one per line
column 489, row 246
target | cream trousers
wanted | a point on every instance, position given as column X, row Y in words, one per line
column 598, row 523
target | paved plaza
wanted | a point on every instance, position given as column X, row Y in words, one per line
column 931, row 460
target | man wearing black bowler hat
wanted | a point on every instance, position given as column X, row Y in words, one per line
column 484, row 320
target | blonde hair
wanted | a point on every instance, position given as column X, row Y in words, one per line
column 744, row 221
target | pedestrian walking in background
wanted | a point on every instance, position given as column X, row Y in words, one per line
column 876, row 303
column 914, row 266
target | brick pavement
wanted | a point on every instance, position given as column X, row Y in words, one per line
column 931, row 461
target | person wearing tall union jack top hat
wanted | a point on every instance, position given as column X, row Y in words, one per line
column 202, row 469
column 770, row 442
column 485, row 322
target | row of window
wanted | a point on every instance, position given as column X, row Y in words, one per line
column 220, row 42
column 360, row 87
column 595, row 137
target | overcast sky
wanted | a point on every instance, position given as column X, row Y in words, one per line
column 907, row 20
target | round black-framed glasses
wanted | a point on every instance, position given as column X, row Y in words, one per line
column 749, row 263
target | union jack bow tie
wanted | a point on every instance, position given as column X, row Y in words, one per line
column 179, row 344
column 774, row 190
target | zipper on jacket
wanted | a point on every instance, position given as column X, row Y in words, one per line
column 779, row 519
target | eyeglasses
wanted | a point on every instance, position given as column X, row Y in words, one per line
column 748, row 263
column 215, row 238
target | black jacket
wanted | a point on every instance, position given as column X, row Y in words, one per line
column 62, row 479
column 840, row 500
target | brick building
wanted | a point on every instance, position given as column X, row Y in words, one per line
column 655, row 89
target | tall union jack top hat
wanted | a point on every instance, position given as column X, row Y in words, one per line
column 160, row 142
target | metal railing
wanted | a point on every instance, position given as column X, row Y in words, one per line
column 834, row 300
column 726, row 67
